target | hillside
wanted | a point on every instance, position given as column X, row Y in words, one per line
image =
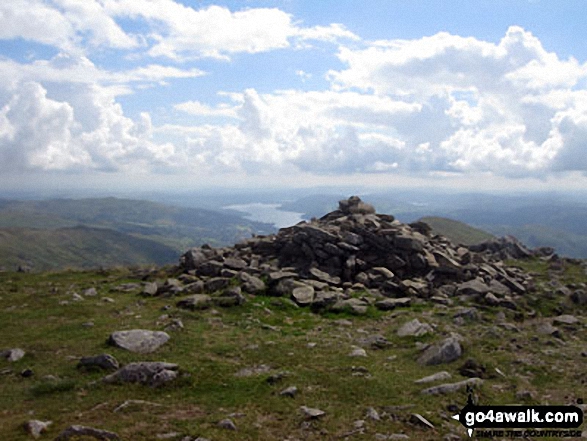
column 381, row 336
column 457, row 232
column 47, row 234
column 79, row 247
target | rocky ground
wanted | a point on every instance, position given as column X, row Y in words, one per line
column 352, row 326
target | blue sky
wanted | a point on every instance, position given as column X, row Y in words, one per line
column 184, row 94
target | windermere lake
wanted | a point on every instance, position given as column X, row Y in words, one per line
column 269, row 213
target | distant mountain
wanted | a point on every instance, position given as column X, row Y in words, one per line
column 58, row 233
column 79, row 247
column 457, row 232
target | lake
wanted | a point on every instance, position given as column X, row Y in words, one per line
column 269, row 213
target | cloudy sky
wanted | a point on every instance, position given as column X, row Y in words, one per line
column 184, row 93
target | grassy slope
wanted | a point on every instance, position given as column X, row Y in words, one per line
column 122, row 232
column 457, row 232
column 214, row 345
column 80, row 247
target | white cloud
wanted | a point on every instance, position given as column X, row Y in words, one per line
column 65, row 24
column 181, row 31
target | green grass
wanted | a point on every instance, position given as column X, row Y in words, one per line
column 457, row 232
column 215, row 344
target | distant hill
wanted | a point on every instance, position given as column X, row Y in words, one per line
column 457, row 232
column 84, row 233
column 78, row 247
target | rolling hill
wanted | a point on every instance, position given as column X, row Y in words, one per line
column 457, row 232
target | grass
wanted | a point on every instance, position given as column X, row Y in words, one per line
column 215, row 344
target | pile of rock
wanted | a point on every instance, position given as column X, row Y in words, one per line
column 324, row 263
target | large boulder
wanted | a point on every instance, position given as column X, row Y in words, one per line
column 139, row 340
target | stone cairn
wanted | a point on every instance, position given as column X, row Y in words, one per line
column 349, row 259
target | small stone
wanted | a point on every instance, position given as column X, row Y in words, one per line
column 565, row 319
column 77, row 431
column 102, row 361
column 445, row 352
column 289, row 392
column 452, row 387
column 195, row 302
column 149, row 373
column 12, row 355
column 312, row 413
column 439, row 376
column 90, row 292
column 36, row 427
column 227, row 424
column 414, row 328
column 358, row 352
column 372, row 414
column 419, row 420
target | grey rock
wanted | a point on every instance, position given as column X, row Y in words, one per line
column 90, row 292
column 235, row 263
column 565, row 319
column 303, row 295
column 312, row 413
column 324, row 277
column 195, row 302
column 252, row 284
column 444, row 352
column 254, row 370
column 372, row 414
column 289, row 392
column 139, row 340
column 358, row 352
column 12, row 355
column 324, row 299
column 414, row 328
column 439, row 376
column 103, row 361
column 216, row 283
column 150, row 289
column 419, row 420
column 148, row 373
column 227, row 424
column 579, row 297
column 77, row 431
column 389, row 304
column 375, row 341
column 473, row 287
column 230, row 297
column 452, row 387
column 352, row 305
column 36, row 427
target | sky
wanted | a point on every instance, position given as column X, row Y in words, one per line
column 186, row 94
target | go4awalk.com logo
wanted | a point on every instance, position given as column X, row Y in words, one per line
column 520, row 421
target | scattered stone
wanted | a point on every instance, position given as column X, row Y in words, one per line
column 372, row 414
column 195, row 302
column 148, row 373
column 227, row 424
column 36, row 427
column 358, row 352
column 27, row 373
column 439, row 376
column 77, row 431
column 12, row 355
column 452, row 387
column 90, row 292
column 414, row 328
column 389, row 304
column 255, row 370
column 473, row 369
column 445, row 352
column 129, row 403
column 150, row 289
column 312, row 413
column 303, row 295
column 375, row 341
column 289, row 392
column 419, row 420
column 103, row 361
column 565, row 319
column 139, row 340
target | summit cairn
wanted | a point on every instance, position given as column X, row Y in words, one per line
column 324, row 263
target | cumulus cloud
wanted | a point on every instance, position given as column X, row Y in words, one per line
column 86, row 131
column 439, row 104
column 65, row 24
